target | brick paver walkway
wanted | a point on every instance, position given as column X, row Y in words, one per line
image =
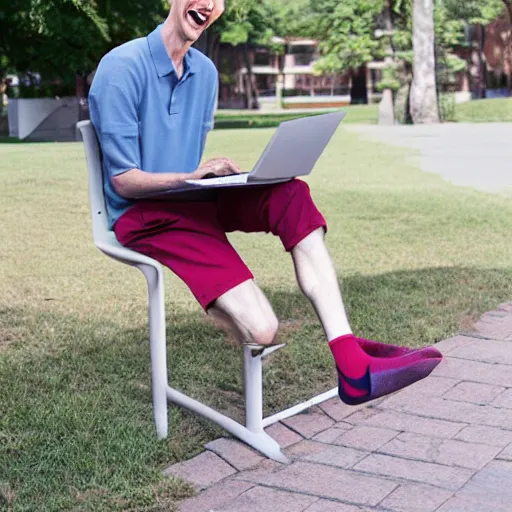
column 444, row 444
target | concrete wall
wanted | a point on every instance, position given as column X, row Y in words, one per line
column 43, row 119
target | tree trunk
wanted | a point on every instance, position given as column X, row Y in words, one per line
column 250, row 87
column 387, row 103
column 423, row 100
column 508, row 6
column 481, row 81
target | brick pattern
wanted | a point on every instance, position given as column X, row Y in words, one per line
column 216, row 497
column 337, row 410
column 326, row 482
column 480, row 394
column 329, row 435
column 450, row 478
column 257, row 499
column 458, row 505
column 506, row 454
column 447, row 346
column 485, row 350
column 491, row 486
column 283, row 435
column 235, row 453
column 475, row 371
column 487, row 435
column 439, row 408
column 443, row 444
column 366, row 438
column 416, row 498
column 496, row 325
column 394, row 420
column 333, row 506
column 441, row 451
column 310, row 422
column 202, row 471
column 503, row 400
column 322, row 453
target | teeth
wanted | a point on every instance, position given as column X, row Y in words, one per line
column 198, row 17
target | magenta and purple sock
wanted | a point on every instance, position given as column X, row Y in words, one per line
column 368, row 370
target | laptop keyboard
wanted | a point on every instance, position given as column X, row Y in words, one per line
column 211, row 175
column 220, row 180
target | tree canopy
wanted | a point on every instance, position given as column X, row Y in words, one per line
column 62, row 37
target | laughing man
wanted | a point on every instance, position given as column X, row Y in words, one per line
column 152, row 104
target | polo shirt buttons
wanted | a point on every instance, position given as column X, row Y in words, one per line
column 173, row 104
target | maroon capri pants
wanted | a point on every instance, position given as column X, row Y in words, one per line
column 190, row 237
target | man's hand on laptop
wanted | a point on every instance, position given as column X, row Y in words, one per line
column 216, row 167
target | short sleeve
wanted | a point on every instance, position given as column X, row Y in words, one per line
column 113, row 103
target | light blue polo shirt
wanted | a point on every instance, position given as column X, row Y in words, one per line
column 146, row 118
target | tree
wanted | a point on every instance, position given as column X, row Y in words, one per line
column 245, row 24
column 478, row 13
column 346, row 32
column 423, row 98
column 295, row 19
column 62, row 38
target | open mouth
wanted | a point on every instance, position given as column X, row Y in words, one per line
column 198, row 17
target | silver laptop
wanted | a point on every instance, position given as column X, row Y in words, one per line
column 293, row 151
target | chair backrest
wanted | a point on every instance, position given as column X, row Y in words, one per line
column 96, row 193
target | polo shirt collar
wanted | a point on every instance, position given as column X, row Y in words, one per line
column 163, row 63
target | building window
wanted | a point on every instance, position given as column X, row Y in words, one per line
column 262, row 58
column 304, row 55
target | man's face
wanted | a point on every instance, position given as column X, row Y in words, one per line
column 193, row 17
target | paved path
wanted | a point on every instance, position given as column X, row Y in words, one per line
column 444, row 444
column 474, row 155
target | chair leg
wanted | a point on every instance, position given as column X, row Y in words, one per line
column 253, row 390
column 158, row 347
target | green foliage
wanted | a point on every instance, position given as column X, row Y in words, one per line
column 246, row 22
column 390, row 79
column 328, row 64
column 60, row 38
column 480, row 12
column 296, row 19
column 447, row 110
column 346, row 32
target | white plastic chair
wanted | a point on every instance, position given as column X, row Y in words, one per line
column 253, row 432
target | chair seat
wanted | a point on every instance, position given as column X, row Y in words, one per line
column 107, row 243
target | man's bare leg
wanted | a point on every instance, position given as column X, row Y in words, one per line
column 366, row 369
column 245, row 311
column 318, row 281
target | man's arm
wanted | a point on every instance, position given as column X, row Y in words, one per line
column 114, row 100
column 136, row 183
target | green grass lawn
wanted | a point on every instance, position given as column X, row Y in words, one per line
column 477, row 111
column 485, row 111
column 419, row 259
column 360, row 114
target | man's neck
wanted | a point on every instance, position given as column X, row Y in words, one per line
column 175, row 46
